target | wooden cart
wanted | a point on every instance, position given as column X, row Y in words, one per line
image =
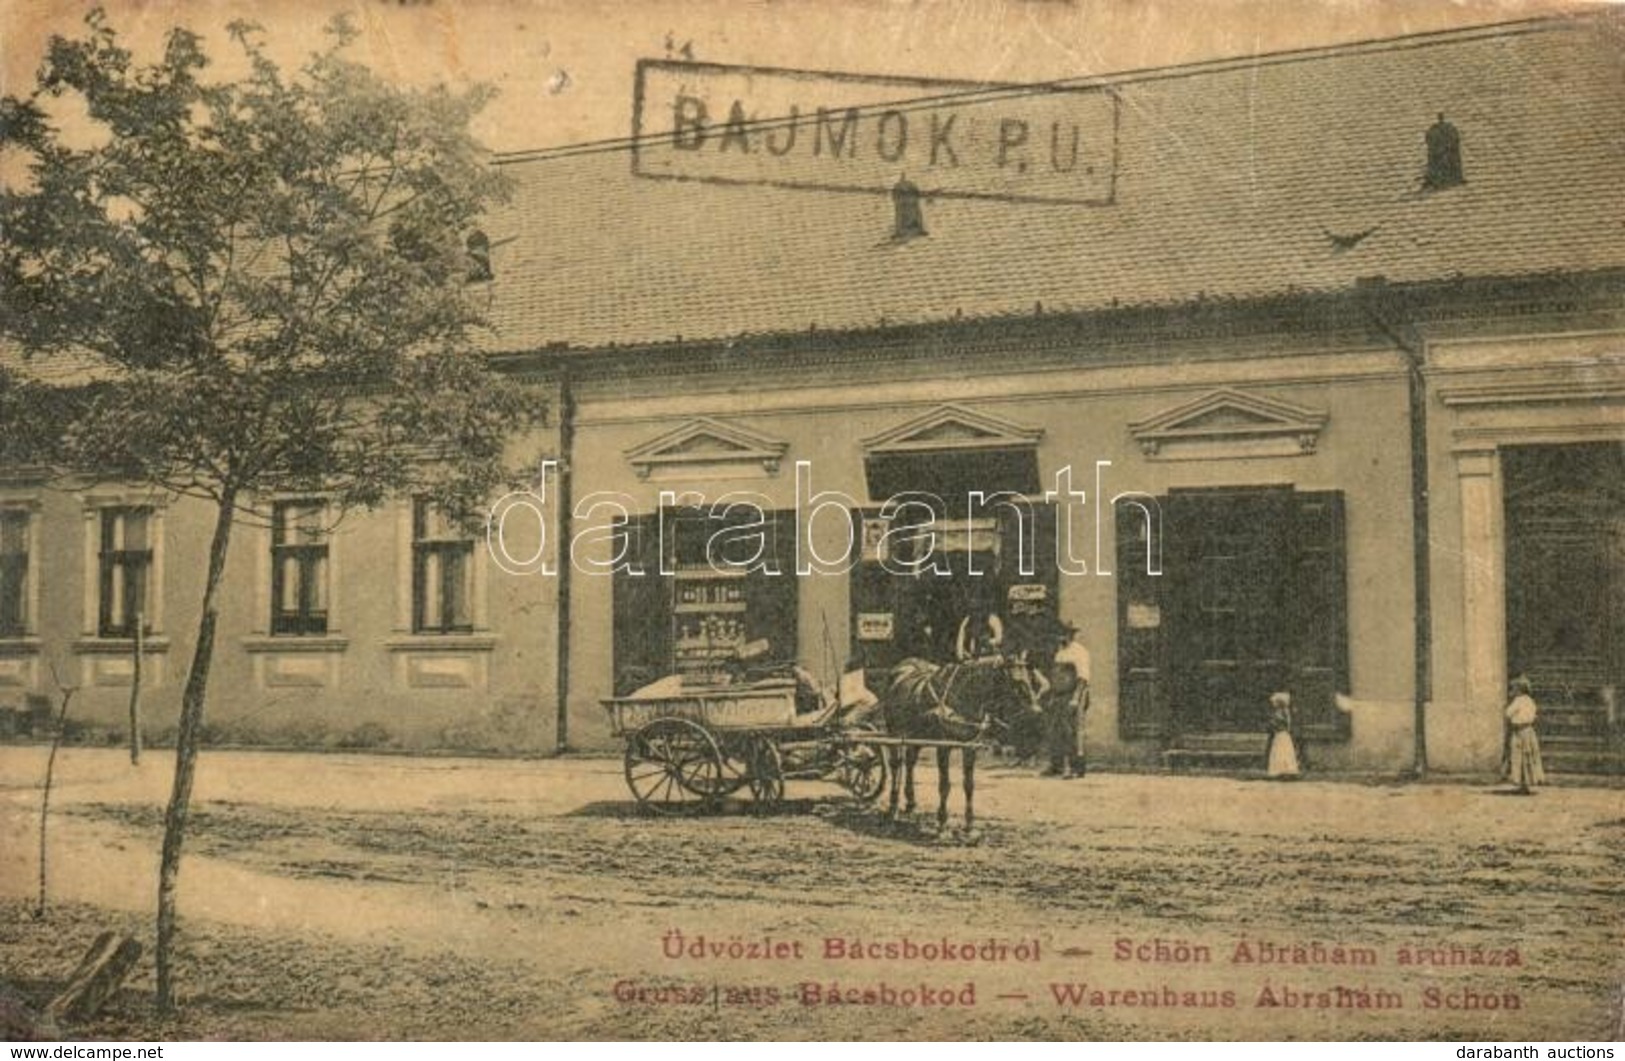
column 704, row 744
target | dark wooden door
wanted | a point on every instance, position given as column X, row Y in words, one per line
column 1230, row 569
column 1143, row 620
column 1565, row 571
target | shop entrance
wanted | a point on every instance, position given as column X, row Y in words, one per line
column 1565, row 578
column 1231, row 624
column 979, row 589
column 1252, row 600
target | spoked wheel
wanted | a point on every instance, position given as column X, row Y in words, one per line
column 673, row 764
column 861, row 770
column 735, row 774
column 766, row 771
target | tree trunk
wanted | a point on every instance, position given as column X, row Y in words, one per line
column 45, row 794
column 135, row 692
column 186, row 748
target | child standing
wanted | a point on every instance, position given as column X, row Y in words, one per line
column 1281, row 757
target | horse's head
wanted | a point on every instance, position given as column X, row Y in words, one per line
column 1006, row 694
column 1026, row 696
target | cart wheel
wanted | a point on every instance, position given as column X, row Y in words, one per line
column 862, row 771
column 736, row 763
column 766, row 771
column 673, row 764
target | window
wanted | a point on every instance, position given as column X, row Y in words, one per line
column 299, row 567
column 442, row 572
column 703, row 617
column 126, row 562
column 479, row 257
column 13, row 573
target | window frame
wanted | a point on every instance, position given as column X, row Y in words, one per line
column 21, row 570
column 427, row 546
column 305, row 620
column 656, row 632
column 140, row 562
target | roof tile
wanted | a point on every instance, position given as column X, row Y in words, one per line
column 1233, row 179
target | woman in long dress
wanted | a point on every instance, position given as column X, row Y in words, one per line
column 1524, row 767
column 1281, row 759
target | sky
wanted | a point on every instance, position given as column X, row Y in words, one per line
column 564, row 70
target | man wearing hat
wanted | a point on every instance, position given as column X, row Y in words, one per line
column 1066, row 703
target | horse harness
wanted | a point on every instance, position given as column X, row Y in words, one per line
column 945, row 712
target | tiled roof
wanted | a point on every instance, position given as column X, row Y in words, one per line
column 1233, row 179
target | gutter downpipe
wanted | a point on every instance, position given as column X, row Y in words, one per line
column 561, row 692
column 1377, row 299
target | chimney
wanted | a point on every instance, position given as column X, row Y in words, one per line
column 908, row 219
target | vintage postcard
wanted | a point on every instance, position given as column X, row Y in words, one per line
column 1064, row 519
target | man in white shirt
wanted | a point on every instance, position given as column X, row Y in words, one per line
column 1066, row 703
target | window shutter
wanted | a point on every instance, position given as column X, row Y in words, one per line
column 770, row 600
column 1142, row 644
column 1320, row 615
column 872, row 592
column 642, row 607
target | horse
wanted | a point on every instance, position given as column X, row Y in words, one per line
column 960, row 702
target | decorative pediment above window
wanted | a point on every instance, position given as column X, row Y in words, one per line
column 1227, row 424
column 953, row 427
column 708, row 449
column 952, row 452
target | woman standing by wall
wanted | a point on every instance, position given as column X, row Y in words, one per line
column 1281, row 755
column 1524, row 767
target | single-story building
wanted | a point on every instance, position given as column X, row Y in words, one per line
column 1321, row 387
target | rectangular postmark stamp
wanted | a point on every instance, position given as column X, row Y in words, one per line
column 836, row 132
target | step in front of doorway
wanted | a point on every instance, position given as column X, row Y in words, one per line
column 1579, row 756
column 1227, row 752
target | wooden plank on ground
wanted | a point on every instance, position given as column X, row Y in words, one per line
column 102, row 971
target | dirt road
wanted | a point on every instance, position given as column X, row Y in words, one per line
column 353, row 896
